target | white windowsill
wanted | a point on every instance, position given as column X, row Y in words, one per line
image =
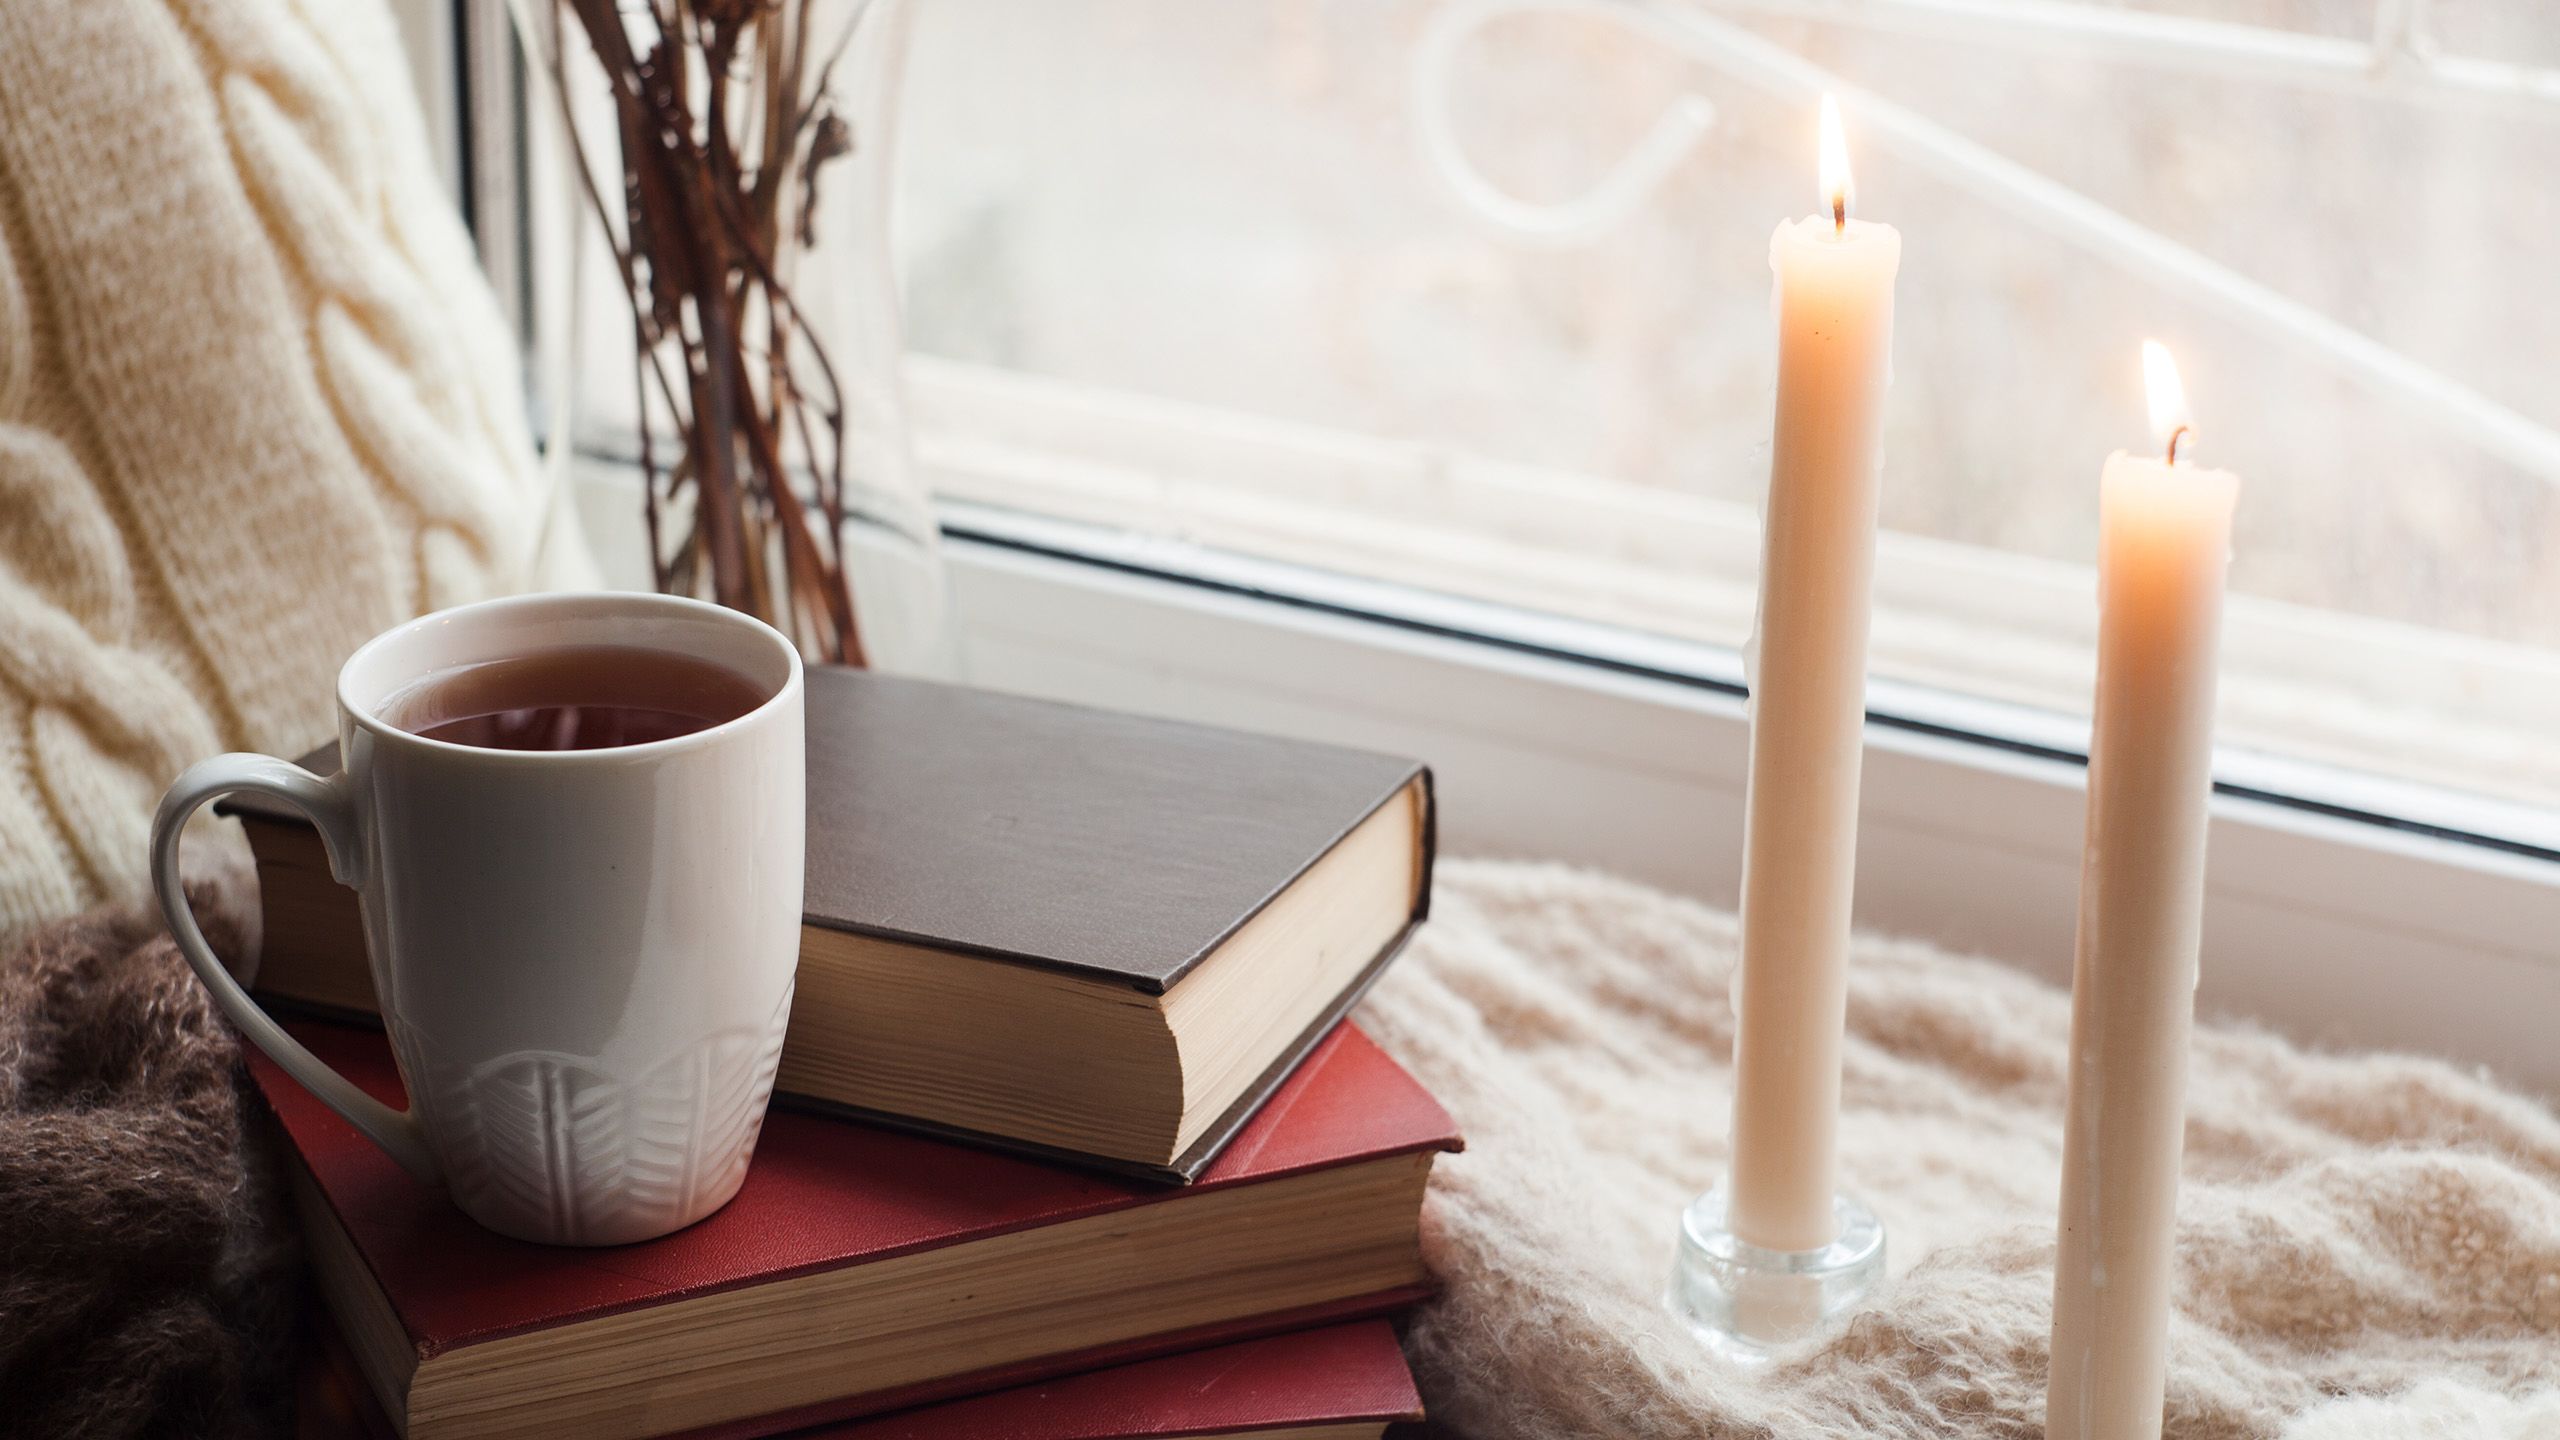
column 2333, row 930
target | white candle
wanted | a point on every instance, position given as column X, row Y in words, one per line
column 1807, row 666
column 2164, row 543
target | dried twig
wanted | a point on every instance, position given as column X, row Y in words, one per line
column 722, row 136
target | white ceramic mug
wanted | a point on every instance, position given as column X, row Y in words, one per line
column 584, row 957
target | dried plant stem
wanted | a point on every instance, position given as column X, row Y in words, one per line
column 721, row 138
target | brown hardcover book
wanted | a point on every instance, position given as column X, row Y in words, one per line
column 860, row 1269
column 1094, row 936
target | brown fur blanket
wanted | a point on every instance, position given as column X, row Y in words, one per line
column 146, row 1281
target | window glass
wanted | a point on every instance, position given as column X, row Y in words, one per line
column 1352, row 283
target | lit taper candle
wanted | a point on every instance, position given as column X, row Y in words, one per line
column 1807, row 669
column 2164, row 545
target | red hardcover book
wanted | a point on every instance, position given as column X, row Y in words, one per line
column 1336, row 1382
column 860, row 1268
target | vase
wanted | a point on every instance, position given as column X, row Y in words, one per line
column 890, row 532
column 812, row 312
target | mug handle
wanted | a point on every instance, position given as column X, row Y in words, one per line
column 331, row 806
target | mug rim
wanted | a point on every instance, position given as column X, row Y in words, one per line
column 365, row 717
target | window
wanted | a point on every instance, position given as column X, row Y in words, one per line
column 1471, row 295
column 1408, row 456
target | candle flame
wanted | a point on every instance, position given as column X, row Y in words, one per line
column 1837, row 187
column 2170, row 420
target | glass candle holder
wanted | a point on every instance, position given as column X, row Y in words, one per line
column 1745, row 1302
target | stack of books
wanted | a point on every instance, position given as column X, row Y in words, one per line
column 1070, row 1138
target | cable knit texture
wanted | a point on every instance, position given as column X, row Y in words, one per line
column 256, row 404
column 2349, row 1227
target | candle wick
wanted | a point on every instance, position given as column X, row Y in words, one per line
column 2181, row 433
column 1840, row 214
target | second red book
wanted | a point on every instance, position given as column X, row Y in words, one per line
column 861, row 1268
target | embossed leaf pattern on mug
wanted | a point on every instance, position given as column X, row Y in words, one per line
column 558, row 1149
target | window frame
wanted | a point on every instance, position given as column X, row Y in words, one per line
column 1446, row 524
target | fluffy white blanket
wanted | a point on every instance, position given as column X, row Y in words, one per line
column 2369, row 1244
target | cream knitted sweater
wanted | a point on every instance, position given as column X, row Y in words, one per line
column 2369, row 1245
column 256, row 404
